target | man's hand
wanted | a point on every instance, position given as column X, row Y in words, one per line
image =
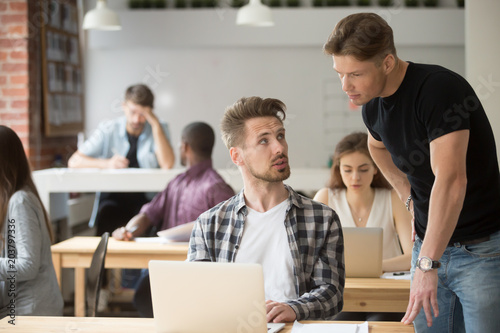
column 117, row 162
column 279, row 312
column 151, row 118
column 122, row 234
column 423, row 293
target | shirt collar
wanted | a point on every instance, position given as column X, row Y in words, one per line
column 199, row 168
column 146, row 131
column 293, row 199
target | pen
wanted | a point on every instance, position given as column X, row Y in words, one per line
column 131, row 230
column 398, row 273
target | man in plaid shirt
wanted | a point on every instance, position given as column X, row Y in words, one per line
column 297, row 241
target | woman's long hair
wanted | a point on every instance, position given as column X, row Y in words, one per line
column 354, row 142
column 15, row 173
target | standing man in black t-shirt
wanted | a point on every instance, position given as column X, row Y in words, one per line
column 430, row 136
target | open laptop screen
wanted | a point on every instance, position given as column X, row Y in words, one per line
column 208, row 297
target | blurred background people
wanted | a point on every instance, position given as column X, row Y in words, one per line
column 136, row 140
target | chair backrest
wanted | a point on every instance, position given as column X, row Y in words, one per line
column 96, row 274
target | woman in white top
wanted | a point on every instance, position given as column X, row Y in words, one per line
column 28, row 283
column 362, row 197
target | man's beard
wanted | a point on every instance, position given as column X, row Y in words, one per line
column 272, row 176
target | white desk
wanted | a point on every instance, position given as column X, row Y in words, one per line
column 62, row 180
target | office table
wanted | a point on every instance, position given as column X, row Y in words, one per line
column 360, row 294
column 63, row 180
column 376, row 295
column 77, row 253
column 143, row 325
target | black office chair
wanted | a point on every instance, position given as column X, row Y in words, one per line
column 95, row 275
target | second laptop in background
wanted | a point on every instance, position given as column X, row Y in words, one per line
column 363, row 252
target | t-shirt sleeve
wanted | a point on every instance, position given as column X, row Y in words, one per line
column 445, row 104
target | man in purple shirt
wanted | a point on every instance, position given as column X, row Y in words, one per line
column 185, row 198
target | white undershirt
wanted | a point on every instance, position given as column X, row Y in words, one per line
column 265, row 242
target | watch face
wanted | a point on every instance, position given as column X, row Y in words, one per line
column 425, row 264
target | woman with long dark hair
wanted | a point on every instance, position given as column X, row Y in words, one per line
column 28, row 283
column 362, row 197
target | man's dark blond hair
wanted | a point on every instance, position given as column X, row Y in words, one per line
column 140, row 94
column 235, row 116
column 364, row 36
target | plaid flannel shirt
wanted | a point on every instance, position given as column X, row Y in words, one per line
column 316, row 243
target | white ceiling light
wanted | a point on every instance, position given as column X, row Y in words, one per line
column 101, row 18
column 255, row 14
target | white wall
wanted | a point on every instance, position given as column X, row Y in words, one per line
column 482, row 50
column 196, row 82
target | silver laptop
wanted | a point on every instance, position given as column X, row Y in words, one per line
column 206, row 297
column 363, row 252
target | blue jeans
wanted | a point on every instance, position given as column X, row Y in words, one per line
column 468, row 288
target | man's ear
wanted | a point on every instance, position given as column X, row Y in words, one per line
column 389, row 63
column 235, row 154
column 185, row 146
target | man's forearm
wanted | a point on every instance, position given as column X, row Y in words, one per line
column 394, row 176
column 445, row 205
column 164, row 153
column 138, row 225
column 79, row 160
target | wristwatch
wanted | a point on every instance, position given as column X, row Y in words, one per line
column 426, row 264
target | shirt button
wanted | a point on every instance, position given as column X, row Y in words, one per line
column 237, row 247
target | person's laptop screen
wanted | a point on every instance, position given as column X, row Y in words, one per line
column 208, row 297
column 363, row 251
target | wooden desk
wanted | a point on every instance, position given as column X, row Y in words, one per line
column 376, row 295
column 134, row 325
column 77, row 253
column 360, row 294
column 63, row 180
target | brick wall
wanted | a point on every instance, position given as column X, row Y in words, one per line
column 21, row 84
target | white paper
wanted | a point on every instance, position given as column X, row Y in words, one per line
column 329, row 328
column 159, row 240
column 180, row 233
column 149, row 240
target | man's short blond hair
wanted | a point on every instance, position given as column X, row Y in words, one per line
column 235, row 116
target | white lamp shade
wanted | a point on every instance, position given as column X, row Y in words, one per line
column 255, row 14
column 101, row 18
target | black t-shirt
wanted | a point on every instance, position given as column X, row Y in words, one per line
column 433, row 101
column 132, row 152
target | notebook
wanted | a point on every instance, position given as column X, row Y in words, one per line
column 180, row 233
column 206, row 297
column 363, row 252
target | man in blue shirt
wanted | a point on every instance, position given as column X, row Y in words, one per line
column 137, row 140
